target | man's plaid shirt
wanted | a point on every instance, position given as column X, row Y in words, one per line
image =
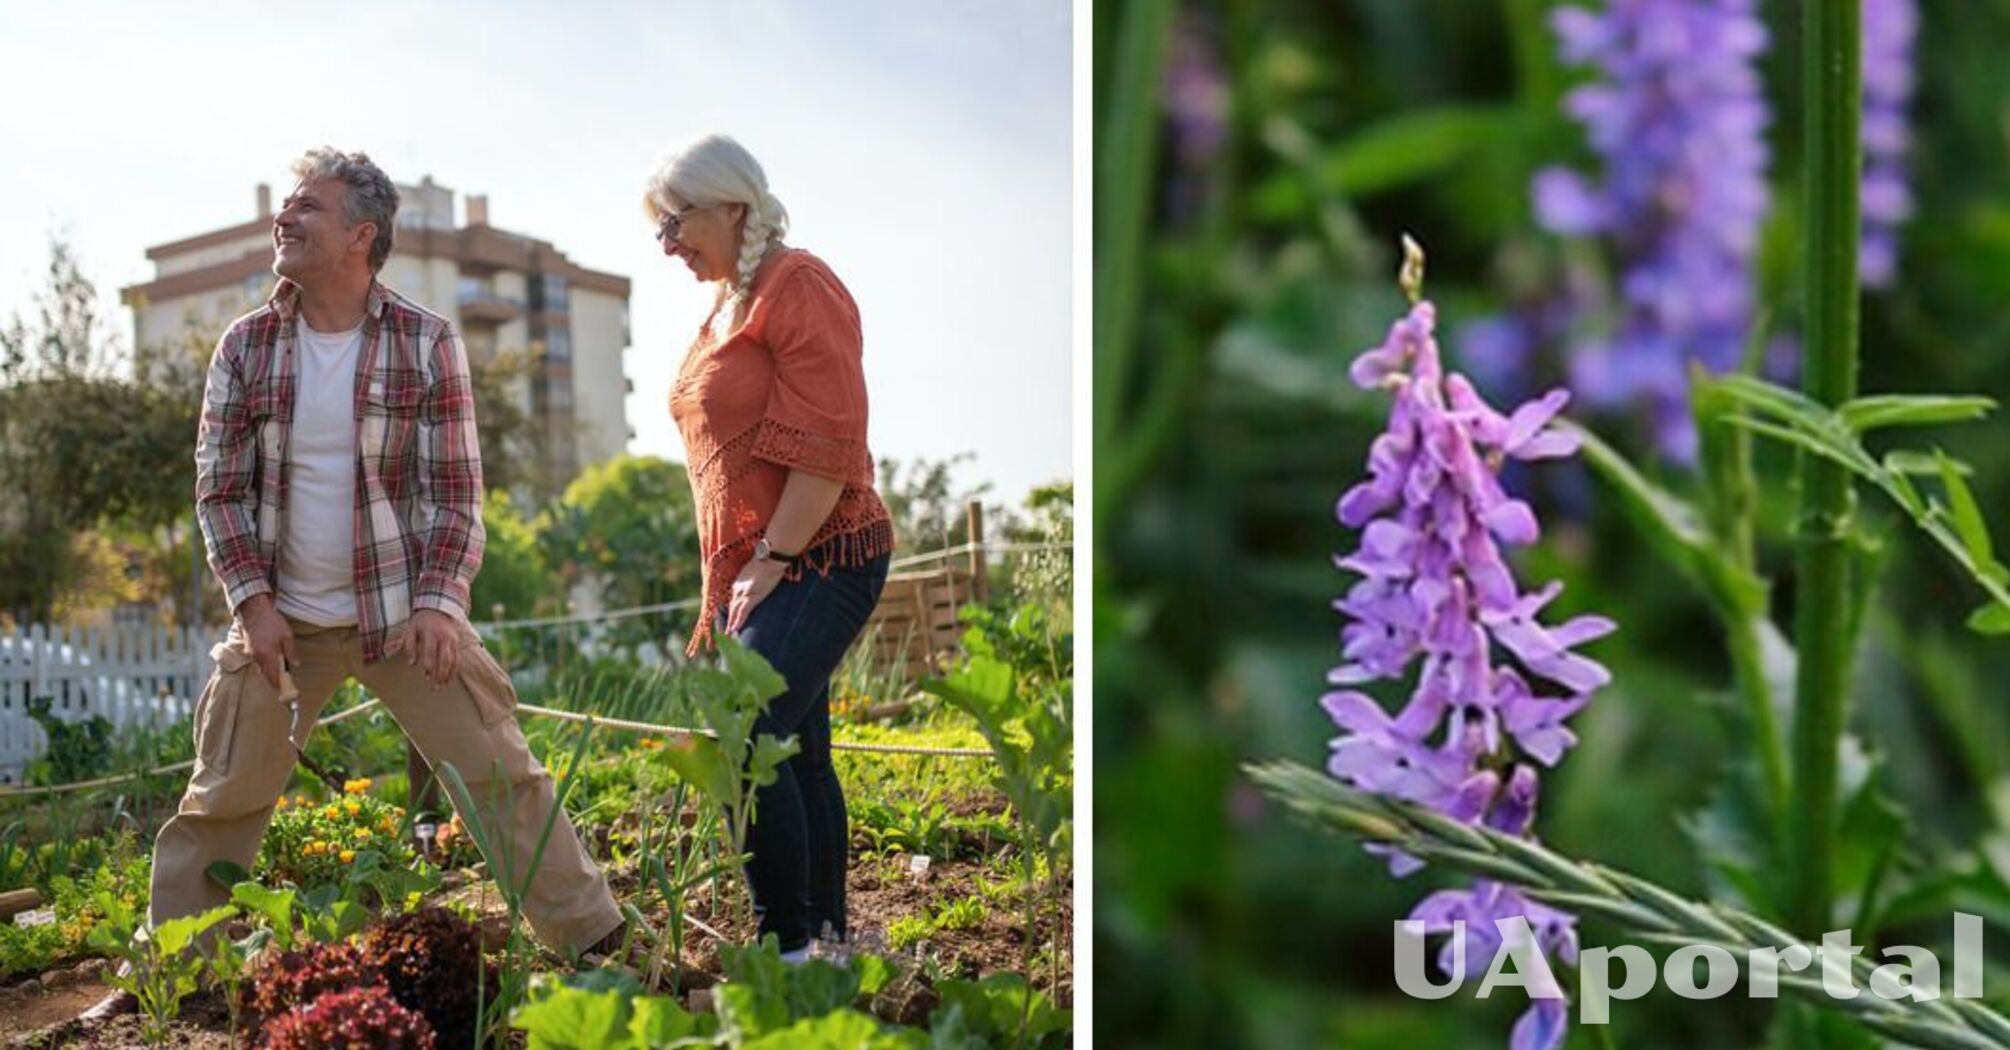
column 418, row 505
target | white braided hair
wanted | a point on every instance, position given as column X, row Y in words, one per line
column 718, row 170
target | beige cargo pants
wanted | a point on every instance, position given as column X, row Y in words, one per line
column 243, row 762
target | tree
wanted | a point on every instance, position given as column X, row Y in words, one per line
column 1047, row 575
column 64, row 341
column 515, row 576
column 930, row 511
column 510, row 449
column 79, row 446
column 627, row 527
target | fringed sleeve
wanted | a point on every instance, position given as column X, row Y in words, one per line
column 816, row 412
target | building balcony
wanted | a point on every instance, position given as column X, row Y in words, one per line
column 482, row 306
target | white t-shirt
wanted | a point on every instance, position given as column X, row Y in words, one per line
column 317, row 541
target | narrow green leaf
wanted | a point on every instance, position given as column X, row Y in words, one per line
column 1777, row 401
column 1126, row 144
column 464, row 804
column 1900, row 487
column 1649, row 911
column 1911, row 461
column 1814, row 442
column 1966, row 515
column 1669, row 523
column 1911, row 410
column 1993, row 618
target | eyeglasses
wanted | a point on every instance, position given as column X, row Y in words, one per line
column 673, row 222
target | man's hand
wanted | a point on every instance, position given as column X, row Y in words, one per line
column 268, row 634
column 430, row 641
column 754, row 584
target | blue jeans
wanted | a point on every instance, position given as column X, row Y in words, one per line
column 800, row 839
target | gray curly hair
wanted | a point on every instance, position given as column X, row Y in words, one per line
column 718, row 170
column 372, row 197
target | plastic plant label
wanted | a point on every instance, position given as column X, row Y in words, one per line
column 36, row 917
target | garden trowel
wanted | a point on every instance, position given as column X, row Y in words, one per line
column 289, row 694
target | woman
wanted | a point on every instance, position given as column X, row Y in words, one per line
column 772, row 405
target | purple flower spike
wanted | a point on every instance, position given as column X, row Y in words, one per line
column 1542, row 1026
column 1494, row 686
column 1677, row 120
column 1889, row 30
column 1196, row 102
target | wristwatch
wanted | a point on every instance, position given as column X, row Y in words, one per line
column 764, row 552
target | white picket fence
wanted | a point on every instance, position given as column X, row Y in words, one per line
column 131, row 676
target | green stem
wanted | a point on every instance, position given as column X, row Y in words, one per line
column 1126, row 149
column 1822, row 636
column 1743, row 640
column 1601, row 1034
column 1727, row 467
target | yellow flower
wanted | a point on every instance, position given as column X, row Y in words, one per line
column 650, row 743
column 311, row 849
column 348, row 855
column 357, row 786
column 300, row 800
column 353, row 807
column 281, row 804
column 362, row 834
column 412, row 899
column 332, row 812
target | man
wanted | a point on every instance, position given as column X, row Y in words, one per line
column 339, row 489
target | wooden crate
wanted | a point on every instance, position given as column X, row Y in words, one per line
column 915, row 621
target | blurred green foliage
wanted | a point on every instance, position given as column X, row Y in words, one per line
column 1234, row 284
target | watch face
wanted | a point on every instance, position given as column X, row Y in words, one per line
column 762, row 550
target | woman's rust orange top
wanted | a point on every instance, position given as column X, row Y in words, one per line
column 785, row 391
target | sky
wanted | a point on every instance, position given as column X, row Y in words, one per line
column 921, row 148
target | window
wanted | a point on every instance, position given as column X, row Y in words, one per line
column 557, row 292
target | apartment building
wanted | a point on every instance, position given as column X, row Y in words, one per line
column 504, row 291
